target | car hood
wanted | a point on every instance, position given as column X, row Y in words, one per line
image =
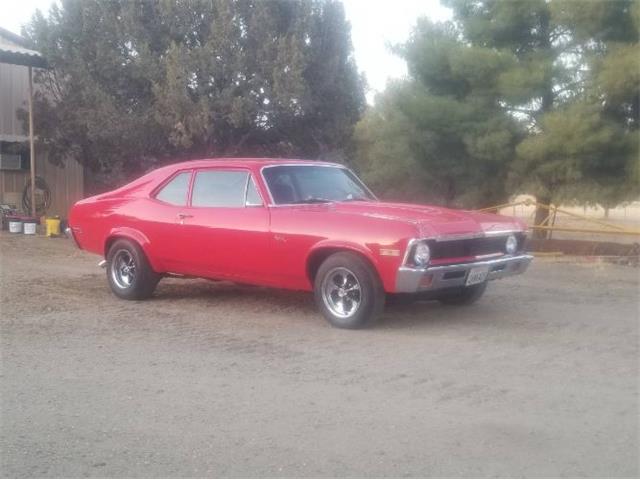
column 433, row 221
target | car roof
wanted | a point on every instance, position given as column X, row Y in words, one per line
column 247, row 162
column 152, row 179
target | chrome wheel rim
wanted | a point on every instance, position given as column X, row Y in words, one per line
column 341, row 292
column 123, row 269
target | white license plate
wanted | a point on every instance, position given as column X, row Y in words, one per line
column 477, row 275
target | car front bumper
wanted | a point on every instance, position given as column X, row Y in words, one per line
column 411, row 280
column 69, row 233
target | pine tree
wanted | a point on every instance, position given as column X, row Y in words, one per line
column 441, row 135
column 533, row 96
column 582, row 141
column 135, row 83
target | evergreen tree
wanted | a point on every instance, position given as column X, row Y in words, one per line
column 582, row 141
column 441, row 135
column 567, row 72
column 137, row 82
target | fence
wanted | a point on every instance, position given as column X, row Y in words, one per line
column 570, row 221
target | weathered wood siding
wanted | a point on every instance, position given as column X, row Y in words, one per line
column 66, row 183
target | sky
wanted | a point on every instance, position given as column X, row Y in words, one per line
column 375, row 24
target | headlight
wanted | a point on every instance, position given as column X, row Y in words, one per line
column 511, row 245
column 421, row 254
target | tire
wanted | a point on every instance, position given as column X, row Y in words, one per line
column 463, row 295
column 348, row 280
column 128, row 271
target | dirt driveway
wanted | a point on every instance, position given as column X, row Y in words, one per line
column 212, row 379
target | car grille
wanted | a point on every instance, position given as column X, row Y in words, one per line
column 471, row 247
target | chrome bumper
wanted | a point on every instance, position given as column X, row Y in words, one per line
column 411, row 280
column 69, row 233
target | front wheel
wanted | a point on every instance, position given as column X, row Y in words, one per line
column 463, row 295
column 348, row 291
column 128, row 271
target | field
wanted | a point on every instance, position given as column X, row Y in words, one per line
column 539, row 379
column 626, row 217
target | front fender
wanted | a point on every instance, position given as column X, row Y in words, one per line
column 371, row 253
column 343, row 245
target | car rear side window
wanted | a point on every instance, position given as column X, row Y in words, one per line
column 253, row 197
column 219, row 188
column 175, row 192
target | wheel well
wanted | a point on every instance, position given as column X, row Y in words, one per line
column 320, row 255
column 112, row 239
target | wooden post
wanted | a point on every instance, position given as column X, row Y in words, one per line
column 32, row 149
column 553, row 220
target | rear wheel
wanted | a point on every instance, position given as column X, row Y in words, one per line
column 348, row 291
column 463, row 295
column 128, row 271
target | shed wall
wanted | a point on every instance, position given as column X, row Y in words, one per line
column 66, row 183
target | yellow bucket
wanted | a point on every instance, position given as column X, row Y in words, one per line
column 53, row 226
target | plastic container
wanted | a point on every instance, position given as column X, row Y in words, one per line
column 53, row 226
column 15, row 224
column 29, row 226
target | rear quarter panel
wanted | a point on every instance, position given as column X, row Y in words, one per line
column 95, row 220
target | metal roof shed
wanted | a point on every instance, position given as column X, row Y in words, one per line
column 15, row 50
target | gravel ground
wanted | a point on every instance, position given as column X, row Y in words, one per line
column 539, row 379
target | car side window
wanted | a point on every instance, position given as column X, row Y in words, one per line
column 253, row 197
column 175, row 192
column 282, row 187
column 219, row 188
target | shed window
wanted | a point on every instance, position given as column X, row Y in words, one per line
column 14, row 156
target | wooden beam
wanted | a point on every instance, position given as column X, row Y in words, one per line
column 585, row 230
column 32, row 149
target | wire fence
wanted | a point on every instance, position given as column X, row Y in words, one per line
column 620, row 224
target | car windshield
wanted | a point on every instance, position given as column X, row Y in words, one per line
column 314, row 184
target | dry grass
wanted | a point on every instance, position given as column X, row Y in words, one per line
column 626, row 216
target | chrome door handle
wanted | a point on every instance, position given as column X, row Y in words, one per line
column 182, row 216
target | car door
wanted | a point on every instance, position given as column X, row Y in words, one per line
column 228, row 225
column 163, row 225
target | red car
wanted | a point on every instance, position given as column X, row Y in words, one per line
column 301, row 225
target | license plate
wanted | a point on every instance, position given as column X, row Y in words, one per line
column 477, row 275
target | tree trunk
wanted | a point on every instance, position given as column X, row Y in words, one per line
column 542, row 218
column 548, row 98
column 450, row 194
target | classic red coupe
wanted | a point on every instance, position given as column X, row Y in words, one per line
column 302, row 225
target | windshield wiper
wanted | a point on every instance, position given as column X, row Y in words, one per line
column 314, row 200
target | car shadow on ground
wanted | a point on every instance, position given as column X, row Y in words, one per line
column 296, row 304
column 217, row 292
